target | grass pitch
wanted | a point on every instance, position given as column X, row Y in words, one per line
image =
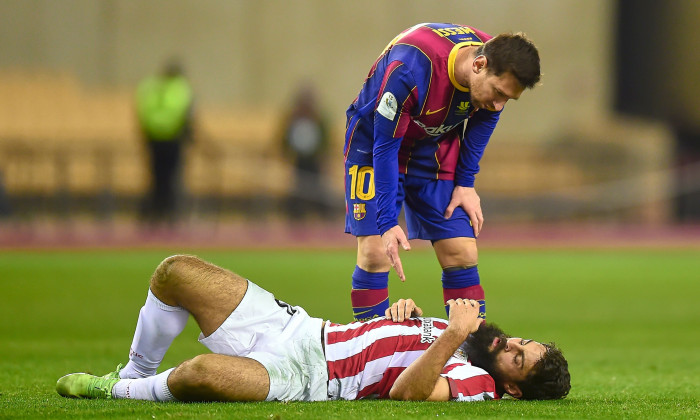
column 627, row 320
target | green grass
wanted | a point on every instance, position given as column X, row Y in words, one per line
column 627, row 320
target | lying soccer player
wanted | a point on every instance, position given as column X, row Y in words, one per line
column 265, row 349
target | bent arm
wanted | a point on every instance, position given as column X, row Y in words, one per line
column 421, row 380
column 475, row 138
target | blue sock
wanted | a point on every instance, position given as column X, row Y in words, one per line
column 370, row 294
column 464, row 283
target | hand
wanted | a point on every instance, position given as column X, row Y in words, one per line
column 403, row 309
column 464, row 316
column 392, row 238
column 467, row 199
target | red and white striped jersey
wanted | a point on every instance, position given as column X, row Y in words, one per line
column 365, row 358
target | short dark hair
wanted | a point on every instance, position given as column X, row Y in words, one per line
column 549, row 378
column 514, row 54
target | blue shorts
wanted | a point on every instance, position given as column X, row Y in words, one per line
column 424, row 201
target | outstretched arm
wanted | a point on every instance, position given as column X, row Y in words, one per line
column 392, row 116
column 421, row 380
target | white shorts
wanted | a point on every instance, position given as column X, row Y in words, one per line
column 283, row 338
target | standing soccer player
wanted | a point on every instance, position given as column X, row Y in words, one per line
column 415, row 134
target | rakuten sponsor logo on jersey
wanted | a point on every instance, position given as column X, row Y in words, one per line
column 426, row 335
column 435, row 131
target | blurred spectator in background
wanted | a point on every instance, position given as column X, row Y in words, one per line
column 305, row 142
column 4, row 201
column 164, row 108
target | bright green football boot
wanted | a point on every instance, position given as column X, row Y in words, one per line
column 83, row 385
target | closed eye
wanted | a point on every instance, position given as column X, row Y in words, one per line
column 503, row 95
column 519, row 360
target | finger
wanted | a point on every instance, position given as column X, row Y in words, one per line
column 405, row 309
column 453, row 304
column 397, row 313
column 390, row 312
column 450, row 209
column 408, row 309
column 418, row 311
column 462, row 302
column 480, row 217
column 405, row 244
column 394, row 311
column 474, row 221
column 399, row 268
column 395, row 261
column 392, row 254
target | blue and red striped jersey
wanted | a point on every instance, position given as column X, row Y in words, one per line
column 412, row 116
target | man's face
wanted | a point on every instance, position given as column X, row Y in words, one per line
column 507, row 359
column 492, row 92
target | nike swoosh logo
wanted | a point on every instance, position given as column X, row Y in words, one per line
column 362, row 313
column 429, row 112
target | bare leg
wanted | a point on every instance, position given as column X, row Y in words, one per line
column 216, row 377
column 371, row 256
column 181, row 285
column 210, row 293
column 456, row 252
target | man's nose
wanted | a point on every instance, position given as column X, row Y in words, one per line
column 513, row 343
column 498, row 105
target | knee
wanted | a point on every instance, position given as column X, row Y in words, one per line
column 189, row 379
column 465, row 259
column 170, row 270
column 194, row 370
column 372, row 259
column 458, row 254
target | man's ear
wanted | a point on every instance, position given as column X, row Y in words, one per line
column 512, row 389
column 479, row 64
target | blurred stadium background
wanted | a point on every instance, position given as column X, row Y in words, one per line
column 604, row 155
column 611, row 137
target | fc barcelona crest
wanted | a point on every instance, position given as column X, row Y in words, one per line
column 358, row 209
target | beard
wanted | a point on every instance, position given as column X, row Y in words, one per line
column 477, row 347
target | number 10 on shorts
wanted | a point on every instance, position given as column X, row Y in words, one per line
column 361, row 182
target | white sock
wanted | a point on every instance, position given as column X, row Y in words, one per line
column 153, row 388
column 156, row 328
